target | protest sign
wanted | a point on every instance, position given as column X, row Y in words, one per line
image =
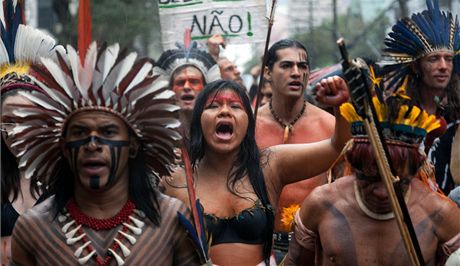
column 239, row 21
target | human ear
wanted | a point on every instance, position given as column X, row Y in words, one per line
column 267, row 74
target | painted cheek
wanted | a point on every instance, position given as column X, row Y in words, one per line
column 178, row 88
column 197, row 87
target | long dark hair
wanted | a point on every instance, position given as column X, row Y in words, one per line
column 10, row 174
column 141, row 190
column 247, row 161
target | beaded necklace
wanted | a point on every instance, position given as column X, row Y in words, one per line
column 75, row 218
column 288, row 127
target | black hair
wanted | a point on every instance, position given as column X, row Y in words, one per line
column 248, row 158
column 141, row 190
column 272, row 55
column 10, row 175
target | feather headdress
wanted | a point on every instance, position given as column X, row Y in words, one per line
column 190, row 55
column 399, row 120
column 108, row 80
column 20, row 46
column 421, row 34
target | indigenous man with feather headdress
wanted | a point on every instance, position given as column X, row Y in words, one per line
column 101, row 134
column 423, row 53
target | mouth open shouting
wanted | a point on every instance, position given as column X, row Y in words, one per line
column 224, row 131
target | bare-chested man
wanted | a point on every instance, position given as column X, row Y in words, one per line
column 289, row 119
column 350, row 221
column 103, row 136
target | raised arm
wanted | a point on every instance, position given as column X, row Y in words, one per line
column 295, row 162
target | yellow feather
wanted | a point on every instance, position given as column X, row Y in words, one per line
column 413, row 115
column 374, row 79
column 349, row 113
column 19, row 68
column 433, row 126
column 401, row 91
column 426, row 124
column 380, row 109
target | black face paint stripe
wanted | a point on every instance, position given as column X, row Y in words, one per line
column 115, row 152
column 115, row 156
column 74, row 155
column 111, row 143
column 94, row 181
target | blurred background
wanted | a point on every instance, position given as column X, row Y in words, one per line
column 316, row 23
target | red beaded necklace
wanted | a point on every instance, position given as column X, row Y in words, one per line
column 100, row 224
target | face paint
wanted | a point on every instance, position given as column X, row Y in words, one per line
column 94, row 181
column 303, row 58
column 224, row 97
column 115, row 147
column 188, row 78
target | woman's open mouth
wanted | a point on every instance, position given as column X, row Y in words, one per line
column 224, row 130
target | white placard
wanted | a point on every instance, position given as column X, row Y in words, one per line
column 239, row 21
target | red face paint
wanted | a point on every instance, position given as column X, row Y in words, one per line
column 226, row 97
column 188, row 78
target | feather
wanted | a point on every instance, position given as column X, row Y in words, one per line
column 203, row 233
column 84, row 28
column 87, row 72
column 62, row 80
column 117, row 73
column 189, row 228
column 104, row 65
column 39, row 100
column 194, row 205
column 140, row 76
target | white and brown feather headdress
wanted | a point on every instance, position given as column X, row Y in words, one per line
column 173, row 59
column 20, row 46
column 108, row 80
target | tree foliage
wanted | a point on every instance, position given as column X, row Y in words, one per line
column 363, row 40
column 134, row 24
